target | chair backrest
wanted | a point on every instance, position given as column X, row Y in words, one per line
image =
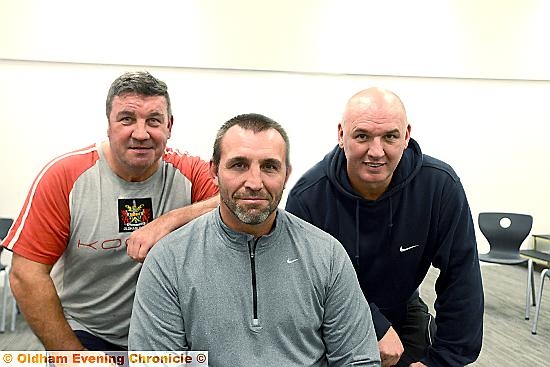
column 5, row 224
column 505, row 232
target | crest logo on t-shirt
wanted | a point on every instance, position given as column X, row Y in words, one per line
column 134, row 213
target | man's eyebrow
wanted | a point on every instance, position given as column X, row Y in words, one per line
column 155, row 114
column 362, row 130
column 125, row 113
column 272, row 161
column 236, row 160
column 393, row 131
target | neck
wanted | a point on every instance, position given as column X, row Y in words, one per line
column 370, row 191
column 130, row 175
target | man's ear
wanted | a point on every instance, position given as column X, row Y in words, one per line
column 214, row 172
column 170, row 124
column 340, row 136
column 407, row 135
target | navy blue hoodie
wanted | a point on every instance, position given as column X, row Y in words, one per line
column 422, row 219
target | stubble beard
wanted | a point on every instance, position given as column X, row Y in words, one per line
column 251, row 216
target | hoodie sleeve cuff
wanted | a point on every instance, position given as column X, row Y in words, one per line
column 381, row 324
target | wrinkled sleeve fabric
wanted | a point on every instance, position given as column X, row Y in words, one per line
column 157, row 322
column 347, row 328
column 460, row 302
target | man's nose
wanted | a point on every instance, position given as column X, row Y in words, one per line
column 140, row 131
column 254, row 179
column 376, row 148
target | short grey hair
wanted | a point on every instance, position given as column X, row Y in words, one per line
column 139, row 82
column 250, row 121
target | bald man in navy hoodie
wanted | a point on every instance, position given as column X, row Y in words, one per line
column 397, row 211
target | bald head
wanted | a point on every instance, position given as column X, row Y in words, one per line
column 375, row 101
column 374, row 133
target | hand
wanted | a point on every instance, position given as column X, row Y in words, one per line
column 391, row 348
column 417, row 364
column 142, row 240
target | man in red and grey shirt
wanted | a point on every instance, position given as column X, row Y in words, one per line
column 75, row 263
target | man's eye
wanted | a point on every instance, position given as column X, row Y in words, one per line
column 362, row 136
column 126, row 120
column 271, row 168
column 153, row 122
column 238, row 166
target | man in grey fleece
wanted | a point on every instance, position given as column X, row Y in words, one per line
column 250, row 283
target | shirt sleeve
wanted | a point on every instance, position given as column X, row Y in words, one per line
column 381, row 323
column 157, row 322
column 42, row 229
column 347, row 327
column 197, row 171
column 459, row 304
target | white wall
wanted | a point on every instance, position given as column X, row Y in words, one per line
column 504, row 39
column 474, row 77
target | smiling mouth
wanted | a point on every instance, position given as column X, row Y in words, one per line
column 374, row 165
column 140, row 148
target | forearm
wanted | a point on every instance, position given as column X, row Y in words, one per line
column 38, row 301
column 141, row 241
column 181, row 216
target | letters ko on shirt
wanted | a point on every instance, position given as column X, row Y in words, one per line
column 109, row 244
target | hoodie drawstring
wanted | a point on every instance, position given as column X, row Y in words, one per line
column 357, row 234
column 390, row 225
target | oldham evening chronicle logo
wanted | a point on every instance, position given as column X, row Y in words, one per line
column 134, row 213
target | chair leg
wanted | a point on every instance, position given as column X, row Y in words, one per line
column 4, row 304
column 13, row 314
column 533, row 294
column 530, row 291
column 543, row 275
column 12, row 305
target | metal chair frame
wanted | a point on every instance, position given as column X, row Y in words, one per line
column 543, row 276
column 505, row 242
column 7, row 298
